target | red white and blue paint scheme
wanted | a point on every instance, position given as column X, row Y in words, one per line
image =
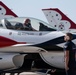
column 42, row 47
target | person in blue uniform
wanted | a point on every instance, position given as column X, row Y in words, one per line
column 69, row 55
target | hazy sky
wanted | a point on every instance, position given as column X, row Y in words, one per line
column 32, row 8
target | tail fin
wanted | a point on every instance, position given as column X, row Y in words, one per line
column 5, row 12
column 58, row 20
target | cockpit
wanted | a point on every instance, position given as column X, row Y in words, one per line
column 26, row 24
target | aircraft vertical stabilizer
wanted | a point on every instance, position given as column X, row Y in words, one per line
column 5, row 12
column 58, row 20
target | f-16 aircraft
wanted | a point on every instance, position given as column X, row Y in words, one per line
column 26, row 47
column 15, row 60
column 44, row 45
column 59, row 20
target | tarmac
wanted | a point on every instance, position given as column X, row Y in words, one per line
column 28, row 73
column 33, row 73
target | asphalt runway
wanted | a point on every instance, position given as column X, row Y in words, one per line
column 28, row 73
column 35, row 73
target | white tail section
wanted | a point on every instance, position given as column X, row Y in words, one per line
column 58, row 20
column 5, row 12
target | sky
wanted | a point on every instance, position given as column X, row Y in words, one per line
column 33, row 8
